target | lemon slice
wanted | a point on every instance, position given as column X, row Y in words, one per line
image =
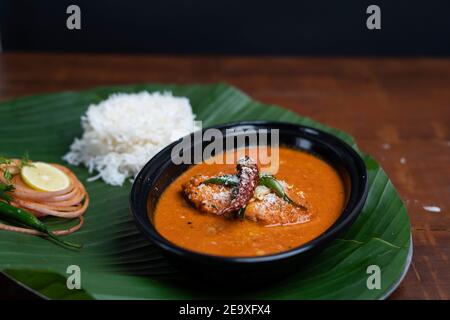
column 44, row 177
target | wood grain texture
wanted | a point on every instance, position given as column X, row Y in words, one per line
column 397, row 109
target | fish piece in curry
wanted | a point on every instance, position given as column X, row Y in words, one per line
column 279, row 205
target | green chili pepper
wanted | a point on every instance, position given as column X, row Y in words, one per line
column 273, row 184
column 27, row 219
column 225, row 180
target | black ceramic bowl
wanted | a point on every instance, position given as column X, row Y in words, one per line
column 159, row 172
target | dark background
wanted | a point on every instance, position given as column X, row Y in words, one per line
column 314, row 27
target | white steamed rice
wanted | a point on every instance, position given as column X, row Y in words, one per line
column 124, row 131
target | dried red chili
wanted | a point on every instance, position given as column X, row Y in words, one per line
column 248, row 175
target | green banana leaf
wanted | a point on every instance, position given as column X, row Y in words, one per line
column 118, row 263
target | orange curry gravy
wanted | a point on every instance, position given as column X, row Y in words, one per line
column 179, row 222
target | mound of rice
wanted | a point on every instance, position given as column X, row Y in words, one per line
column 123, row 132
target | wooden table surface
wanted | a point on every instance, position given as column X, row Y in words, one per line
column 397, row 109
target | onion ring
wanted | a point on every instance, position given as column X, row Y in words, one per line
column 61, row 232
column 72, row 202
column 23, row 191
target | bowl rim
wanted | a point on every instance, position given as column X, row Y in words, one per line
column 148, row 229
